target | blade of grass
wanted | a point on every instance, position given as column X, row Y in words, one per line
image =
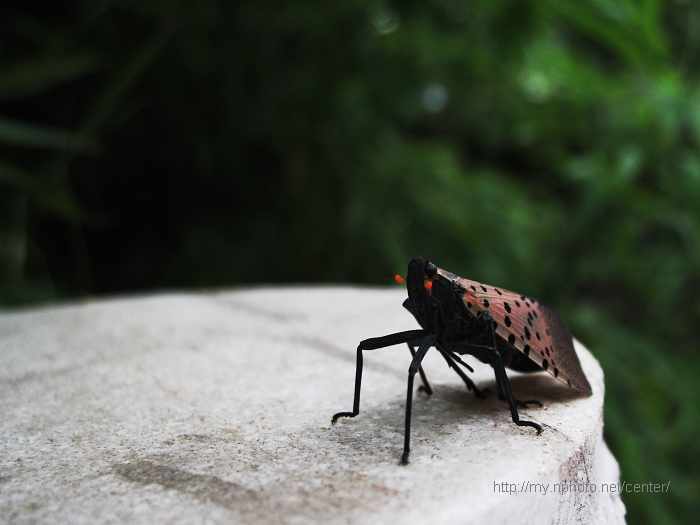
column 24, row 135
column 125, row 78
column 34, row 76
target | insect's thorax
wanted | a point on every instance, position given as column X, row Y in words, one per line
column 441, row 311
column 444, row 311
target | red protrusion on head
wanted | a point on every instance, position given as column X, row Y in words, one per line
column 428, row 285
column 399, row 279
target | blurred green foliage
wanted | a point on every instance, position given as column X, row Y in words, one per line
column 543, row 146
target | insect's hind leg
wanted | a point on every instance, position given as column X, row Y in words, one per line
column 521, row 404
column 373, row 344
column 491, row 353
column 527, row 402
column 502, row 379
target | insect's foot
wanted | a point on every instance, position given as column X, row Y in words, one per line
column 341, row 414
column 525, row 404
column 481, row 394
column 404, row 459
column 530, row 424
column 423, row 389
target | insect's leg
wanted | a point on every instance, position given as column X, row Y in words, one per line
column 415, row 365
column 493, row 355
column 502, row 378
column 425, row 387
column 526, row 404
column 475, row 330
column 451, row 362
column 373, row 344
column 502, row 396
column 500, row 370
column 518, row 402
column 485, row 320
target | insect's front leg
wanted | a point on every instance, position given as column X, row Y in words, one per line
column 415, row 365
column 425, row 387
column 373, row 344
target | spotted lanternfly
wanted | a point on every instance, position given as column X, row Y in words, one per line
column 498, row 327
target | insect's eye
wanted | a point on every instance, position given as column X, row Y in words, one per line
column 430, row 270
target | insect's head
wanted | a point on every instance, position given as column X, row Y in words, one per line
column 419, row 282
column 421, row 275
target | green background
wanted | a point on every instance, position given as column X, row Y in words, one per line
column 545, row 146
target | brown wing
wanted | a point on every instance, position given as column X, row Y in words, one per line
column 530, row 327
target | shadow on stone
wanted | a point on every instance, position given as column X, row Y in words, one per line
column 450, row 407
column 208, row 488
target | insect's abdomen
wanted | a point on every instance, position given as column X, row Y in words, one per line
column 563, row 348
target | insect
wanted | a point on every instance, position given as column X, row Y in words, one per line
column 498, row 327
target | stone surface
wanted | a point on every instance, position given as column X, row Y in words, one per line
column 216, row 408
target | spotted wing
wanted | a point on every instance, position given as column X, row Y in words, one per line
column 530, row 327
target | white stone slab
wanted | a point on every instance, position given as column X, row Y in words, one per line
column 216, row 408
